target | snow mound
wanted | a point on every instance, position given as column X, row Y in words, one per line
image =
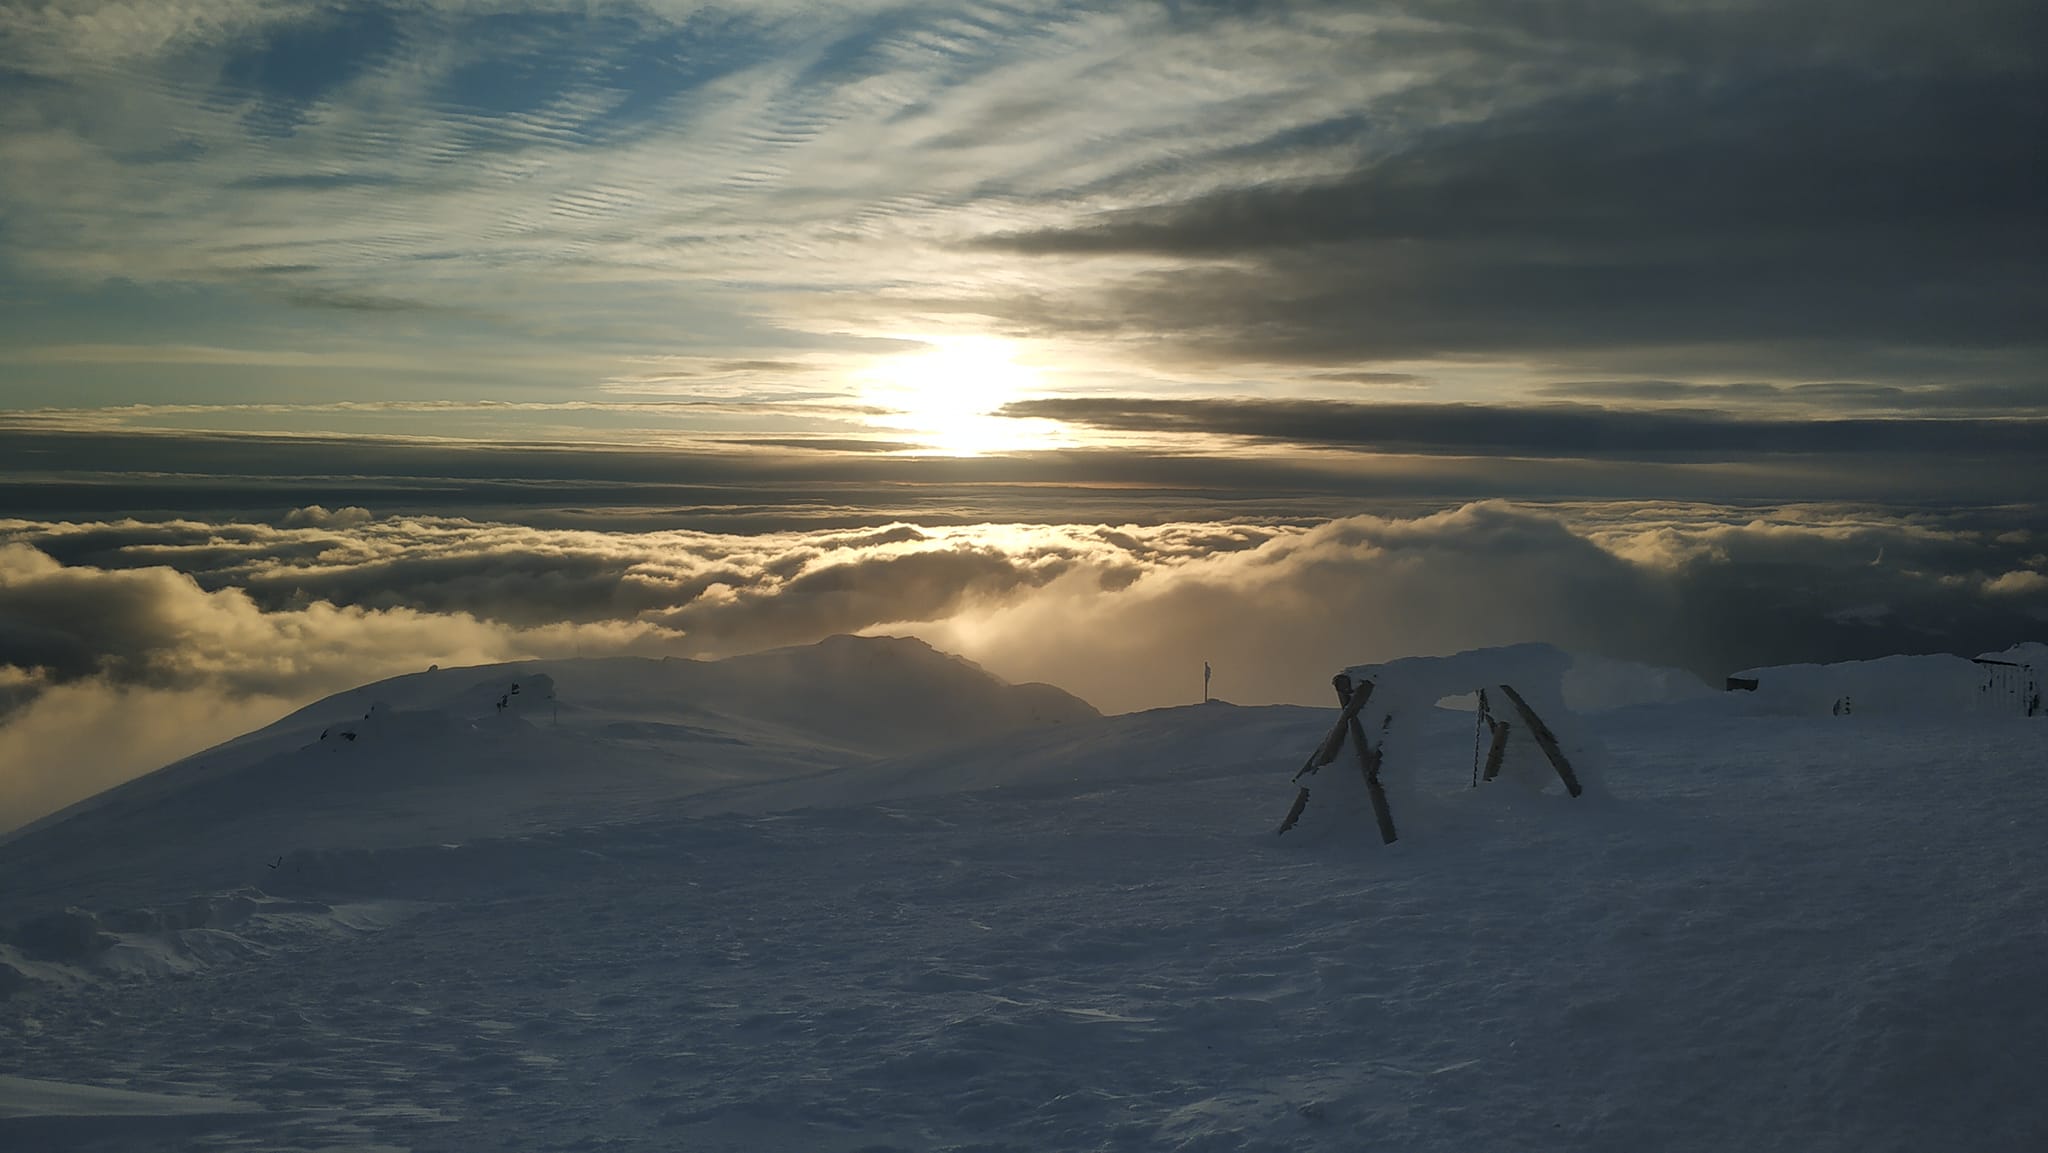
column 1406, row 691
column 1431, row 756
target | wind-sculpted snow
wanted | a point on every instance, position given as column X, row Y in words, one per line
column 1798, row 933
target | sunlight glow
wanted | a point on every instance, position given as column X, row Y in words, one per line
column 945, row 397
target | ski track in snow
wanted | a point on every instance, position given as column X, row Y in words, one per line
column 1781, row 933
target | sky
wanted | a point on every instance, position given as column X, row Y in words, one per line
column 1092, row 341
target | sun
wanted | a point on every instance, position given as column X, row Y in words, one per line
column 945, row 396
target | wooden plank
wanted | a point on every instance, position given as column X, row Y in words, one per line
column 1380, row 812
column 1369, row 764
column 1294, row 813
column 1545, row 740
column 1497, row 751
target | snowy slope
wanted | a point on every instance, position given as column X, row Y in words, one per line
column 1774, row 933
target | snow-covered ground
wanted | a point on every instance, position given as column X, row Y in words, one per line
column 865, row 897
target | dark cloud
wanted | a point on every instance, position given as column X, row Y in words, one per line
column 1834, row 395
column 824, row 443
column 316, row 181
column 1548, row 430
column 356, row 301
column 1181, row 476
column 1373, row 377
column 1641, row 177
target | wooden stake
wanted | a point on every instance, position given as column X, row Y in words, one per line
column 1368, row 758
column 1545, row 739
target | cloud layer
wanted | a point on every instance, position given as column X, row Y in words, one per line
column 127, row 642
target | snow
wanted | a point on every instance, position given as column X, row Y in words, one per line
column 1404, row 696
column 692, row 914
column 25, row 1097
column 2033, row 653
column 1930, row 685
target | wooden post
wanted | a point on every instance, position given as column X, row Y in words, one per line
column 1545, row 739
column 1327, row 751
column 1368, row 756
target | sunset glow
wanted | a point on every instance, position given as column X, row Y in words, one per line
column 947, row 397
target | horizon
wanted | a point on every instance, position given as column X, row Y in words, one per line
column 1087, row 341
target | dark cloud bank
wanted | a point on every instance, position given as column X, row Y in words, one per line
column 1802, row 189
column 1555, row 430
column 1425, row 455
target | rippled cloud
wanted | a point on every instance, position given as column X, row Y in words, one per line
column 1472, row 197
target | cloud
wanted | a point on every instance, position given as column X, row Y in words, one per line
column 233, row 620
column 829, row 444
column 1594, row 189
column 1811, row 397
column 741, row 200
column 125, row 644
column 353, row 516
column 354, row 301
column 2019, row 583
column 75, row 740
column 105, row 673
column 1695, row 588
column 1186, row 461
column 1555, row 430
column 157, row 627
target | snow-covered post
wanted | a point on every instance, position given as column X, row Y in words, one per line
column 1545, row 739
column 1326, row 751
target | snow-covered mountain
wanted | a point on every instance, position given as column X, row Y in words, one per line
column 458, row 754
column 862, row 895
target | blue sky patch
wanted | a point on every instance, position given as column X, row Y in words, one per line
column 292, row 66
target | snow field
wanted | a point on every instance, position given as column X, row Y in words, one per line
column 1776, row 933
